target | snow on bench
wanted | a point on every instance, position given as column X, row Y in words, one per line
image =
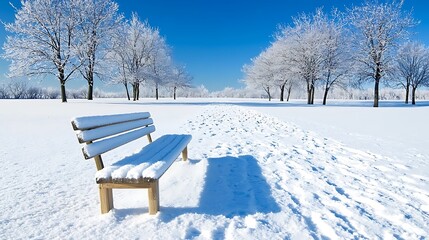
column 101, row 134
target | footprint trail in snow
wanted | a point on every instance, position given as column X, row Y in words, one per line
column 321, row 187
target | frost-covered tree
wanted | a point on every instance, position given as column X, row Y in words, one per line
column 306, row 40
column 260, row 73
column 337, row 62
column 180, row 79
column 43, row 40
column 118, row 58
column 412, row 68
column 160, row 66
column 18, row 89
column 98, row 20
column 134, row 44
column 418, row 61
column 279, row 52
column 405, row 65
column 376, row 30
column 4, row 93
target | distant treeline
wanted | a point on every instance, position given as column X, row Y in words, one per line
column 21, row 90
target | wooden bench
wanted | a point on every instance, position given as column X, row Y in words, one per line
column 101, row 134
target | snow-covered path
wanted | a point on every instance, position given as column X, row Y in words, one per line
column 250, row 176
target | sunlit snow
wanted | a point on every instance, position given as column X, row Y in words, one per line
column 256, row 170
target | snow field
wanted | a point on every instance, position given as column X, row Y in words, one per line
column 330, row 190
column 250, row 176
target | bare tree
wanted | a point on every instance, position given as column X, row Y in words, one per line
column 34, row 93
column 337, row 61
column 17, row 89
column 160, row 63
column 412, row 68
column 417, row 59
column 43, row 40
column 132, row 51
column 118, row 58
column 405, row 65
column 260, row 73
column 179, row 79
column 99, row 18
column 4, row 93
column 306, row 40
column 279, row 52
column 377, row 28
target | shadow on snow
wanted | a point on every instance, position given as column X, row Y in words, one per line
column 234, row 186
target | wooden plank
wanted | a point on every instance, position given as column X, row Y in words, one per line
column 98, row 162
column 102, row 146
column 101, row 132
column 89, row 122
column 150, row 163
column 125, row 185
column 177, row 143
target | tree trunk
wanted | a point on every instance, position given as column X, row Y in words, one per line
column 137, row 91
column 413, row 94
column 376, row 92
column 174, row 93
column 310, row 88
column 134, row 91
column 377, row 86
column 63, row 85
column 90, row 89
column 63, row 91
column 325, row 96
column 312, row 94
column 407, row 93
column 156, row 93
column 282, row 92
column 288, row 93
column 126, row 90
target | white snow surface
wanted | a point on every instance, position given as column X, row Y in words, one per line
column 257, row 170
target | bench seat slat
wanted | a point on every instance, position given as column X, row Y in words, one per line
column 148, row 164
column 108, row 144
column 101, row 132
column 84, row 123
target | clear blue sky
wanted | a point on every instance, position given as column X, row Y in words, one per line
column 214, row 39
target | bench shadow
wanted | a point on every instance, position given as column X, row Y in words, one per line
column 234, row 186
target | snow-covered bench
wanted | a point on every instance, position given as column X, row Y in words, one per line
column 101, row 134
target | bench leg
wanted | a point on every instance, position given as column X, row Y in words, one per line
column 153, row 193
column 185, row 154
column 106, row 199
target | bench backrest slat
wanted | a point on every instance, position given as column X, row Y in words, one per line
column 104, row 145
column 85, row 123
column 101, row 132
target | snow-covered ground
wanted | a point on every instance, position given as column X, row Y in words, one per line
column 257, row 170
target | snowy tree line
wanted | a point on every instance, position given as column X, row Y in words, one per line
column 365, row 44
column 89, row 38
column 386, row 93
column 24, row 90
column 18, row 89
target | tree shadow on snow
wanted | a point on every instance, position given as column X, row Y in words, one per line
column 234, row 186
